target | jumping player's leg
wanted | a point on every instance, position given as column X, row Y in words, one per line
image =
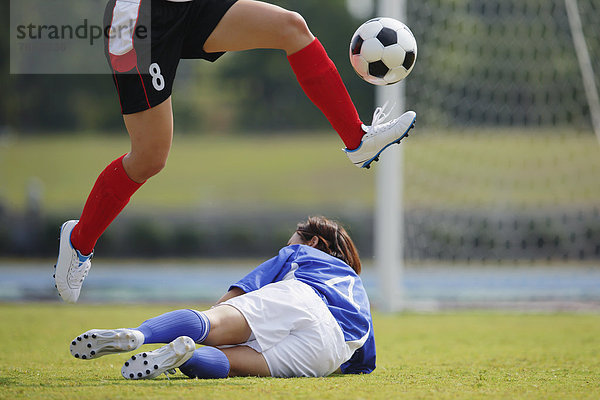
column 250, row 24
column 151, row 133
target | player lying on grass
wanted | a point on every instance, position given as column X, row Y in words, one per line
column 143, row 73
column 304, row 312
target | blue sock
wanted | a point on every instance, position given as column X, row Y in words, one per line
column 206, row 363
column 167, row 327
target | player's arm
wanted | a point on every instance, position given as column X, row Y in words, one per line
column 233, row 292
column 262, row 275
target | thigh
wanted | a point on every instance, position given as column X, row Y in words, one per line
column 253, row 24
column 228, row 326
column 244, row 361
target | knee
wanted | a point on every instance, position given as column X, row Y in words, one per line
column 295, row 32
column 153, row 167
column 296, row 23
column 143, row 168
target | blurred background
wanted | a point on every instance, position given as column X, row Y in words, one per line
column 501, row 177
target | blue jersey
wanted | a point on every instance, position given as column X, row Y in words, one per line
column 337, row 284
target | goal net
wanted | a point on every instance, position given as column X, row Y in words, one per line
column 504, row 166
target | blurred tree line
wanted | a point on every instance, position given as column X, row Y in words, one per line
column 250, row 91
column 481, row 62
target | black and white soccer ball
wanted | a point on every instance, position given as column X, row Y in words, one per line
column 383, row 51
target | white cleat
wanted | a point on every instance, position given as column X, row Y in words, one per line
column 71, row 267
column 151, row 364
column 379, row 136
column 99, row 342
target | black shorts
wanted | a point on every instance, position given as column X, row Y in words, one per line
column 146, row 39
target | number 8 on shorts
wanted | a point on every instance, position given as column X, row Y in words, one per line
column 158, row 81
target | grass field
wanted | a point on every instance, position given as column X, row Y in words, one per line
column 543, row 169
column 435, row 356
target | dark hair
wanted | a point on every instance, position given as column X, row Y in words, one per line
column 332, row 239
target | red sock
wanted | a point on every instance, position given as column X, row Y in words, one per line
column 323, row 85
column 108, row 197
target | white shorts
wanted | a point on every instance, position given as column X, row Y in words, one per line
column 293, row 329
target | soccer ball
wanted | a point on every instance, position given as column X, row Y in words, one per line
column 383, row 51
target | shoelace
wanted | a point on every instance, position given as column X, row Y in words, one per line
column 77, row 275
column 378, row 117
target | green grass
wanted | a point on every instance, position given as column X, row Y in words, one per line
column 474, row 169
column 436, row 356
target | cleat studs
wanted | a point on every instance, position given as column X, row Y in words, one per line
column 89, row 345
column 83, row 357
column 147, row 372
column 73, row 343
column 144, row 355
column 93, row 352
column 54, row 275
column 79, row 338
column 131, row 375
column 155, row 366
column 133, row 358
column 76, row 355
column 127, row 363
column 139, row 374
column 94, row 336
column 85, row 336
column 145, row 362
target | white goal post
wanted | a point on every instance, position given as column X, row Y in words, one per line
column 389, row 185
column 585, row 64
